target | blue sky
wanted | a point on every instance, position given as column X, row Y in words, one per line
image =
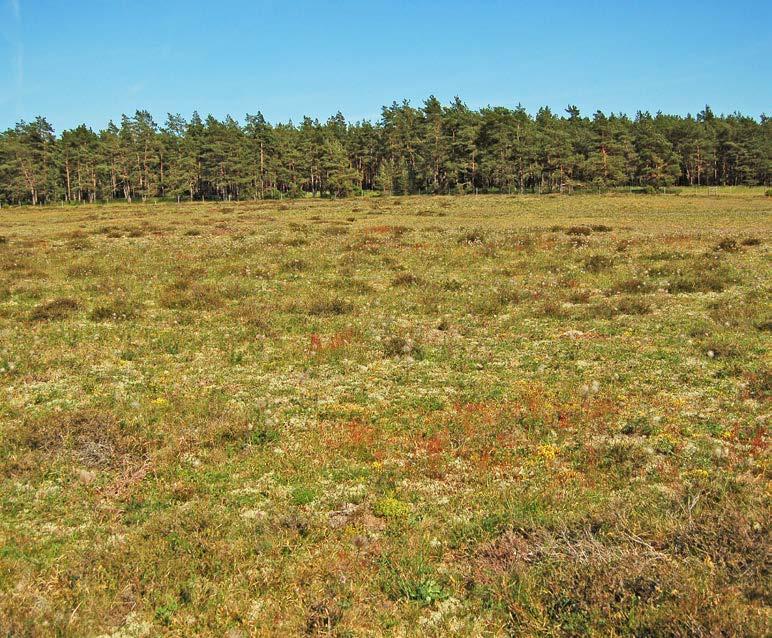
column 89, row 61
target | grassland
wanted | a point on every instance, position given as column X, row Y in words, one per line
column 472, row 416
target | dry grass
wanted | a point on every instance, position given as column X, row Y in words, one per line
column 451, row 416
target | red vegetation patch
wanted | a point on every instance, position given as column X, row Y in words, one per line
column 334, row 342
column 395, row 231
column 353, row 437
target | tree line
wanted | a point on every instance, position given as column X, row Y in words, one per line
column 434, row 148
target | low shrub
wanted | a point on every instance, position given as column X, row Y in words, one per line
column 405, row 279
column 119, row 310
column 55, row 310
column 397, row 346
column 598, row 263
column 329, row 307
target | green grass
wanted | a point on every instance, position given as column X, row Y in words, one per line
column 484, row 416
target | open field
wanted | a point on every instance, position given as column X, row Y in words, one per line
column 472, row 416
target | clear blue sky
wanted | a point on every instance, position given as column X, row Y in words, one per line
column 89, row 61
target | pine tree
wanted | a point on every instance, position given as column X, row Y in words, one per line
column 434, row 148
column 339, row 178
column 657, row 163
column 260, row 149
column 611, row 152
column 462, row 128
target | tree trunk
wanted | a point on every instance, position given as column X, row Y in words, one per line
column 67, row 175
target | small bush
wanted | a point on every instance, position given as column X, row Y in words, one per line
column 394, row 231
column 759, row 385
column 81, row 244
column 700, row 281
column 474, row 236
column 397, row 346
column 184, row 294
column 294, row 265
column 633, row 306
column 94, row 438
column 55, row 310
column 598, row 263
column 632, row 286
column 390, row 507
column 728, row 245
column 623, row 456
column 639, row 426
column 763, row 325
column 523, row 242
column 262, row 435
column 720, row 346
column 84, row 269
column 507, row 295
column 601, row 311
column 580, row 297
column 452, row 285
column 256, row 317
column 115, row 311
column 498, row 300
column 405, row 279
column 553, row 309
column 329, row 307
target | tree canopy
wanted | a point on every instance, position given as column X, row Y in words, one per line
column 433, row 148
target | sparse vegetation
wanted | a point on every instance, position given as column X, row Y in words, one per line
column 462, row 417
